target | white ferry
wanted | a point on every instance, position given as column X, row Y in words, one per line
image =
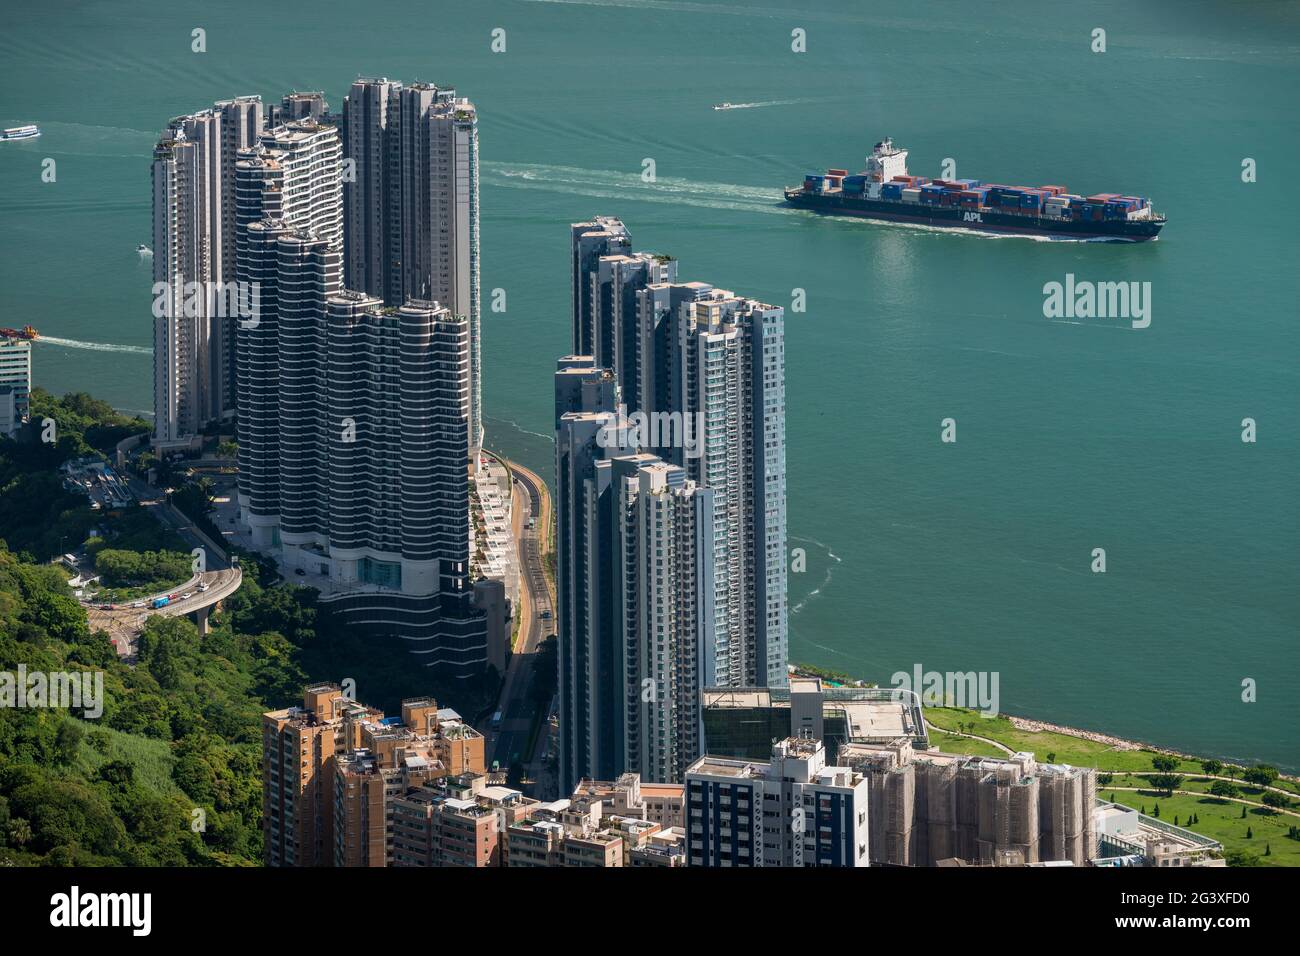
column 21, row 132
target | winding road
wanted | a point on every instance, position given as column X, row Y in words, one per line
column 124, row 622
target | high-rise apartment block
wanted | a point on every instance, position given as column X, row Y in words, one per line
column 289, row 236
column 603, row 236
column 411, row 198
column 356, row 414
column 670, row 506
column 320, row 272
column 193, row 257
column 636, row 590
column 707, row 369
column 297, row 106
column 792, row 810
column 662, row 531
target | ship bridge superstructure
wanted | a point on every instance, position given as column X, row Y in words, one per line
column 885, row 162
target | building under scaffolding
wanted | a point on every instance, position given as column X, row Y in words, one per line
column 924, row 807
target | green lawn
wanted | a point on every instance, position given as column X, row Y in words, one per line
column 1076, row 751
column 952, row 744
column 1199, row 784
column 1221, row 820
column 1072, row 750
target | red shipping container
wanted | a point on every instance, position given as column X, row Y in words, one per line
column 837, row 172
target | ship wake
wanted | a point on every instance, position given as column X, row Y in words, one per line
column 832, row 557
column 615, row 185
column 965, row 231
column 96, row 346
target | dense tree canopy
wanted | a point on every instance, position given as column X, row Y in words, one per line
column 119, row 568
column 179, row 736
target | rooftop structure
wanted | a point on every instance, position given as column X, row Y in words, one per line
column 1130, row 838
column 743, row 721
column 792, row 810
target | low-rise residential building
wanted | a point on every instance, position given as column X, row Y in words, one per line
column 665, row 804
column 468, row 834
column 602, row 849
column 628, row 796
column 602, row 824
column 535, row 843
column 1127, row 837
column 662, row 848
column 455, row 821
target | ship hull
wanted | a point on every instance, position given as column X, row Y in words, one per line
column 981, row 220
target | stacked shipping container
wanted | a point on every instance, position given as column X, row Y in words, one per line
column 1051, row 201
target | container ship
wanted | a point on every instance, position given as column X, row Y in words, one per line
column 885, row 191
column 26, row 332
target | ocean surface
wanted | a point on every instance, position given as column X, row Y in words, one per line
column 1071, row 435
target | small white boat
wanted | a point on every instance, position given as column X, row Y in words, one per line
column 21, row 132
column 723, row 106
column 144, row 250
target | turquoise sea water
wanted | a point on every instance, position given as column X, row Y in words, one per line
column 1071, row 436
